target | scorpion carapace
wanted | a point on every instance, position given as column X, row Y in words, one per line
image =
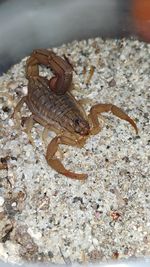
column 53, row 106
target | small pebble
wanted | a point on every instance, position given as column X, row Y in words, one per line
column 95, row 242
column 12, row 85
column 2, row 201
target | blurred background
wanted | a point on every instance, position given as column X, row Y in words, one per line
column 30, row 24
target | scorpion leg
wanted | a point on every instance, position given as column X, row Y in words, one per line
column 29, row 124
column 45, row 136
column 92, row 68
column 17, row 109
column 55, row 163
column 99, row 108
column 19, row 106
column 28, row 120
column 84, row 101
column 46, row 130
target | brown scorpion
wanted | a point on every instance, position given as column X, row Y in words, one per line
column 56, row 109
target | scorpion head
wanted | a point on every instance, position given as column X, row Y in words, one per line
column 81, row 126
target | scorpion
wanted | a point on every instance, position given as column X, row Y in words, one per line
column 53, row 105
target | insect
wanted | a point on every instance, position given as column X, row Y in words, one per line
column 53, row 106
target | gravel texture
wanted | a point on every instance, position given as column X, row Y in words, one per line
column 45, row 216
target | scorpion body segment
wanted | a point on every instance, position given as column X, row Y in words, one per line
column 61, row 111
column 55, row 108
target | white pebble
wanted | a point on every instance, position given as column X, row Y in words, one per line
column 14, row 204
column 12, row 85
column 95, row 242
column 1, row 209
column 11, row 122
column 1, row 201
column 25, row 90
column 34, row 234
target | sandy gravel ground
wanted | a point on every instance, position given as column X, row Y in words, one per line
column 45, row 216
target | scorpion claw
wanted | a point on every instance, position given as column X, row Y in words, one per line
column 55, row 162
column 100, row 108
column 57, row 165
